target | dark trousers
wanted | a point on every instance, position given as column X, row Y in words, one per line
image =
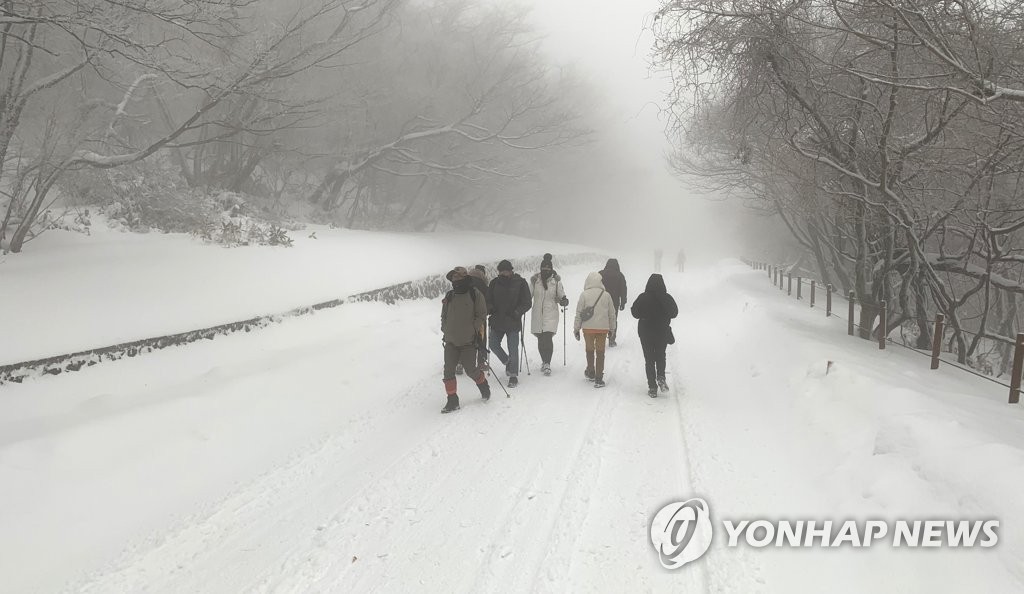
column 467, row 356
column 654, row 357
column 546, row 346
column 511, row 358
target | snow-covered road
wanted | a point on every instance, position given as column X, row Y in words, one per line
column 310, row 456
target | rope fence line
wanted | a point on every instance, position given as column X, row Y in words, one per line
column 784, row 282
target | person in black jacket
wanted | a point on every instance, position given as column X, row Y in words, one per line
column 615, row 284
column 655, row 309
column 508, row 299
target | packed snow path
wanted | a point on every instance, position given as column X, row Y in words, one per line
column 311, row 457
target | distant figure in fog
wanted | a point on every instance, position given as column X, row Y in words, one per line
column 655, row 309
column 681, row 259
column 657, row 259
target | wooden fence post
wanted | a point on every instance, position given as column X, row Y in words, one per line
column 789, row 284
column 799, row 286
column 1018, row 362
column 937, row 339
column 828, row 301
column 849, row 327
column 812, row 292
column 883, row 328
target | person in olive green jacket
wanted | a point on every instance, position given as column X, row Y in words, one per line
column 463, row 316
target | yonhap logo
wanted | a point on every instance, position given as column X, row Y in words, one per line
column 681, row 532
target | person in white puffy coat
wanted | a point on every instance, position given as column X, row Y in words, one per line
column 548, row 298
column 596, row 328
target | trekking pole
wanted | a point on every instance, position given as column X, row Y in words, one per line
column 487, row 365
column 522, row 342
column 563, row 336
column 496, row 378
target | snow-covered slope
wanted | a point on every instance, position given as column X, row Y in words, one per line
column 69, row 292
column 310, row 456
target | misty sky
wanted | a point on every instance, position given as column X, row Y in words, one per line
column 607, row 43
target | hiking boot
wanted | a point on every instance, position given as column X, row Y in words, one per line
column 663, row 384
column 589, row 374
column 652, row 392
column 453, row 404
column 485, row 390
column 513, row 381
column 545, row 369
column 598, row 383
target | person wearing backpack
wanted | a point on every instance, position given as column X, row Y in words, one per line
column 615, row 283
column 548, row 297
column 478, row 276
column 595, row 318
column 655, row 308
column 508, row 300
column 463, row 315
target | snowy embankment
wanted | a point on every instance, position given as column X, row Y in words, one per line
column 310, row 456
column 69, row 292
column 770, row 435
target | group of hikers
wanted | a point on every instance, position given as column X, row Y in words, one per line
column 473, row 302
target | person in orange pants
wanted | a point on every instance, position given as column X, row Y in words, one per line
column 595, row 319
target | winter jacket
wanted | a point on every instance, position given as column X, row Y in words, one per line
column 462, row 317
column 546, row 303
column 655, row 309
column 595, row 294
column 508, row 298
column 615, row 283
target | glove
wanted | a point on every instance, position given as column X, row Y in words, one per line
column 576, row 333
column 622, row 307
column 564, row 302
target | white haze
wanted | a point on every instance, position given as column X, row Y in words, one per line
column 640, row 204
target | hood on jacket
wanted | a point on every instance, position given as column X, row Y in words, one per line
column 593, row 281
column 656, row 284
column 612, row 264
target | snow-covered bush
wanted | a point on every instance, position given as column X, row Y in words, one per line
column 151, row 195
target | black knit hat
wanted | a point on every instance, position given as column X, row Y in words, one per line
column 504, row 265
column 546, row 264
